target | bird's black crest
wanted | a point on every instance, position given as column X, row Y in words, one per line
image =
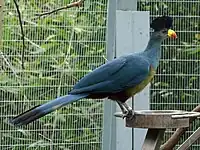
column 160, row 23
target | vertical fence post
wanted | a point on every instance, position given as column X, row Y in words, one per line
column 142, row 99
column 132, row 34
column 109, row 122
column 124, row 27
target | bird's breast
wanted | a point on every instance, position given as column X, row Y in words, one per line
column 132, row 91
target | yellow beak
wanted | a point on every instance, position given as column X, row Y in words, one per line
column 172, row 34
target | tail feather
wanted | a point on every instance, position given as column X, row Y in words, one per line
column 41, row 110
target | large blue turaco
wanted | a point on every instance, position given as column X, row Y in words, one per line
column 116, row 80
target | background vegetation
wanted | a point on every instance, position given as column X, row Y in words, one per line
column 61, row 48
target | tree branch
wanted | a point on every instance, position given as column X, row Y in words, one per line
column 173, row 140
column 22, row 31
column 74, row 4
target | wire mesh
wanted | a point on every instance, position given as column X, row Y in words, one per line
column 177, row 82
column 60, row 49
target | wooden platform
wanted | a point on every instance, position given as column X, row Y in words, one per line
column 157, row 121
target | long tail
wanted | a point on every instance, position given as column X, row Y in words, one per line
column 42, row 110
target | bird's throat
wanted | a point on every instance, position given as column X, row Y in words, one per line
column 153, row 51
column 154, row 42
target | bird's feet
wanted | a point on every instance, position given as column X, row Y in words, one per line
column 128, row 114
column 127, row 111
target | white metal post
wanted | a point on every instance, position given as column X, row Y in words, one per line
column 109, row 121
column 132, row 35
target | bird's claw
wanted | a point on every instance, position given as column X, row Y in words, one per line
column 128, row 114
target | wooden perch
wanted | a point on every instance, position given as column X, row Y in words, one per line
column 173, row 140
column 186, row 115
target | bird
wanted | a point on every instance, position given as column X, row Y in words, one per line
column 117, row 80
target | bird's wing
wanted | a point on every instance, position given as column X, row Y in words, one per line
column 114, row 76
column 101, row 73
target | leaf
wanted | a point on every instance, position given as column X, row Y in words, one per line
column 162, row 84
column 10, row 89
column 39, row 48
column 197, row 36
column 186, row 44
column 50, row 37
column 78, row 30
column 23, row 131
column 38, row 143
column 167, row 94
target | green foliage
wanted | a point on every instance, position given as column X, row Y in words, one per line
column 60, row 49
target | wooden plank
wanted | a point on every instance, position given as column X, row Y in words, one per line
column 156, row 119
column 153, row 139
column 188, row 143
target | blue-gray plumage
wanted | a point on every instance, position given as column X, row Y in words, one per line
column 117, row 80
